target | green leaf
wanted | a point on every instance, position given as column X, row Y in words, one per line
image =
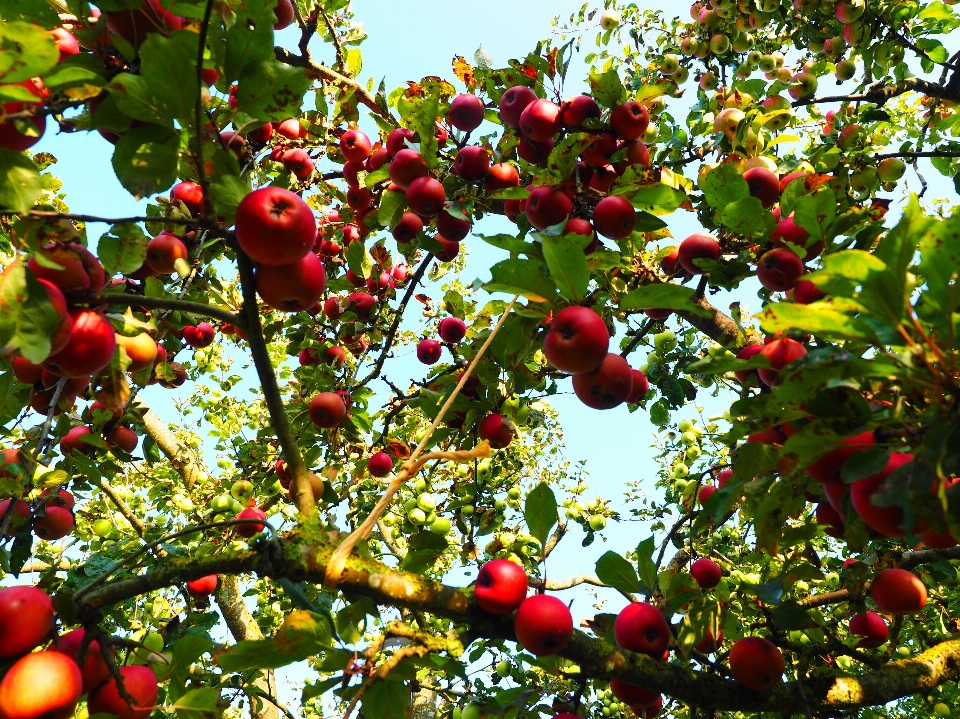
column 791, row 616
column 658, row 198
column 512, row 244
column 168, row 65
column 614, row 570
column 392, row 205
column 540, row 511
column 423, row 121
column 303, row 634
column 645, row 563
column 185, row 651
column 606, row 87
column 250, row 40
column 724, row 185
column 31, row 11
column 510, row 193
column 146, row 160
column 20, row 184
column 198, row 704
column 27, row 319
column 863, row 464
column 26, row 51
column 662, row 295
column 122, row 250
column 747, row 217
column 425, row 548
column 647, row 222
column 702, row 616
column 386, row 700
column 527, row 278
column 568, row 266
column 816, row 212
column 834, row 319
column 227, row 188
column 270, row 90
column 359, row 259
column 376, row 177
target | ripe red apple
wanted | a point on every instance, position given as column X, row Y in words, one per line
column 536, row 153
column 601, row 149
column 260, row 135
column 71, row 442
column 496, row 430
column 425, row 196
column 710, row 644
column 123, row 438
column 429, row 351
column 473, row 163
column 248, row 530
column 780, row 353
column 706, row 572
column 639, row 387
column 380, row 464
column 89, row 349
column 614, row 217
column 513, row 102
column 327, row 410
column 21, row 513
column 66, row 43
column 190, row 194
column 405, row 167
column 770, row 435
column 135, row 25
column 547, row 206
column 501, row 176
column 826, row 469
column 25, row 371
column 637, row 154
column 640, row 627
column 698, row 246
column 81, row 271
column 335, row 355
column 199, row 335
column 633, row 695
column 871, row 627
column 763, row 185
column 204, row 586
column 361, row 303
column 501, row 586
column 789, row 231
column 543, row 625
column 577, row 340
column 378, row 158
column 453, row 228
column 292, row 288
column 359, row 199
column 540, row 120
column 26, row 619
column 94, row 669
column 629, row 120
column 355, row 146
column 805, row 292
column 452, row 329
column 298, row 162
column 886, row 520
column 779, row 269
column 466, row 112
column 897, row 591
column 827, row 515
column 575, row 111
column 409, row 226
column 139, row 681
column 44, row 685
column 274, row 226
column 743, row 375
column 607, row 386
column 163, row 251
column 398, row 138
column 10, row 137
column 756, row 663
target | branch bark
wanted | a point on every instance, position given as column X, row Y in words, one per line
column 188, row 468
column 880, row 92
column 165, row 303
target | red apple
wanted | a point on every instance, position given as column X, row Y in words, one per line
column 81, row 271
column 361, row 303
column 710, row 644
column 871, row 627
column 629, row 120
column 135, row 25
column 763, row 185
column 10, row 137
column 501, row 586
column 327, row 410
column 204, row 586
column 789, row 231
column 453, row 228
column 897, row 591
column 94, row 669
column 25, row 371
column 637, row 154
column 779, row 269
column 163, row 251
column 292, row 288
column 536, row 153
column 827, row 515
column 577, row 340
column 805, row 292
column 20, row 515
column 607, row 386
column 291, row 129
column 359, row 199
column 601, row 149
column 496, row 430
column 26, row 619
column 614, row 217
column 298, row 162
column 547, row 206
column 780, row 353
column 513, row 102
column 425, row 196
column 355, row 146
column 429, row 351
column 262, row 134
column 139, row 681
column 409, row 226
column 743, row 375
column 56, row 523
column 639, row 387
column 756, row 663
column 44, row 685
column 66, row 43
column 199, row 335
column 466, row 112
column 275, row 227
column 248, row 530
column 501, row 176
column 698, row 246
column 826, row 469
column 452, row 329
column 543, row 625
column 706, row 572
column 397, row 140
column 473, row 163
column 380, row 464
column 640, row 627
column 406, row 166
column 575, row 111
column 540, row 120
column 123, row 438
column 190, row 194
column 888, row 521
column 90, row 347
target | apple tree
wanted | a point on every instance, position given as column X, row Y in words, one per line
column 304, row 231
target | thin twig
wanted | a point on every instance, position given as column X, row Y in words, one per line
column 166, row 303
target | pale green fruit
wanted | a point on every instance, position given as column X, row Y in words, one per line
column 609, row 20
column 680, row 471
column 941, row 710
column 572, row 513
column 426, row 502
column 891, row 169
column 767, row 63
column 467, row 510
column 409, row 504
column 669, row 64
column 597, row 522
column 665, row 340
column 483, row 469
column 457, row 713
column 420, row 485
column 500, row 505
column 513, row 493
column 903, row 651
column 688, row 438
column 503, row 668
column 441, row 525
column 241, row 489
column 719, row 44
column 681, row 75
column 650, row 134
column 685, row 425
column 417, row 516
column 103, row 528
column 151, row 641
column 431, row 517
column 692, row 453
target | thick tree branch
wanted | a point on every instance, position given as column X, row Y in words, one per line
column 303, row 491
column 187, row 221
column 166, row 303
column 301, row 559
column 324, row 73
column 719, row 327
column 191, row 470
column 880, row 92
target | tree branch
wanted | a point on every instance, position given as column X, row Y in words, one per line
column 191, row 221
column 191, row 470
column 879, row 93
column 166, row 303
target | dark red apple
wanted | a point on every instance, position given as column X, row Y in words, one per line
column 698, row 246
column 577, row 340
column 406, row 166
column 140, row 683
column 540, row 120
column 429, row 351
column 744, row 375
column 614, row 217
column 190, row 194
column 496, row 430
column 897, row 591
column 888, row 521
column 81, row 271
column 633, row 695
column 826, row 469
column 298, row 162
column 135, row 25
column 292, row 288
column 90, row 347
column 575, row 111
column 380, row 464
column 355, row 146
column 472, row 163
column 779, row 269
column 409, row 226
column 397, row 140
column 871, row 627
column 425, row 196
column 452, row 329
column 451, row 227
column 466, row 112
column 327, row 410
column 543, row 625
column 248, row 530
column 639, row 388
column 547, row 206
column 763, row 185
column 10, row 136
column 513, row 102
column 805, row 292
column 199, row 335
column 629, row 120
column 536, row 153
column 501, row 176
column 706, row 572
column 756, row 663
column 780, row 353
column 275, row 227
column 640, row 627
column 607, row 386
column 26, row 619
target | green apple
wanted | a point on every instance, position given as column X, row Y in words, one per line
column 891, row 169
column 241, row 489
column 427, row 502
column 597, row 522
column 513, row 493
column 685, row 425
column 941, row 710
column 467, row 510
column 503, row 668
column 417, row 516
column 103, row 528
column 500, row 505
column 441, row 525
column 609, row 20
column 669, row 64
column 665, row 341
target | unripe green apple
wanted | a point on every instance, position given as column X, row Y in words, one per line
column 665, row 341
column 420, row 485
column 241, row 489
column 669, row 64
column 767, row 63
column 503, row 668
column 743, row 42
column 891, row 169
column 427, row 502
column 941, row 710
column 650, row 135
column 719, row 44
column 500, row 505
column 681, row 75
column 609, row 19
column 103, row 528
column 513, row 493
column 467, row 510
column 845, row 70
column 409, row 504
column 441, row 525
column 483, row 469
column 679, row 471
column 417, row 516
column 572, row 513
column 689, row 45
column 685, row 425
column 597, row 522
